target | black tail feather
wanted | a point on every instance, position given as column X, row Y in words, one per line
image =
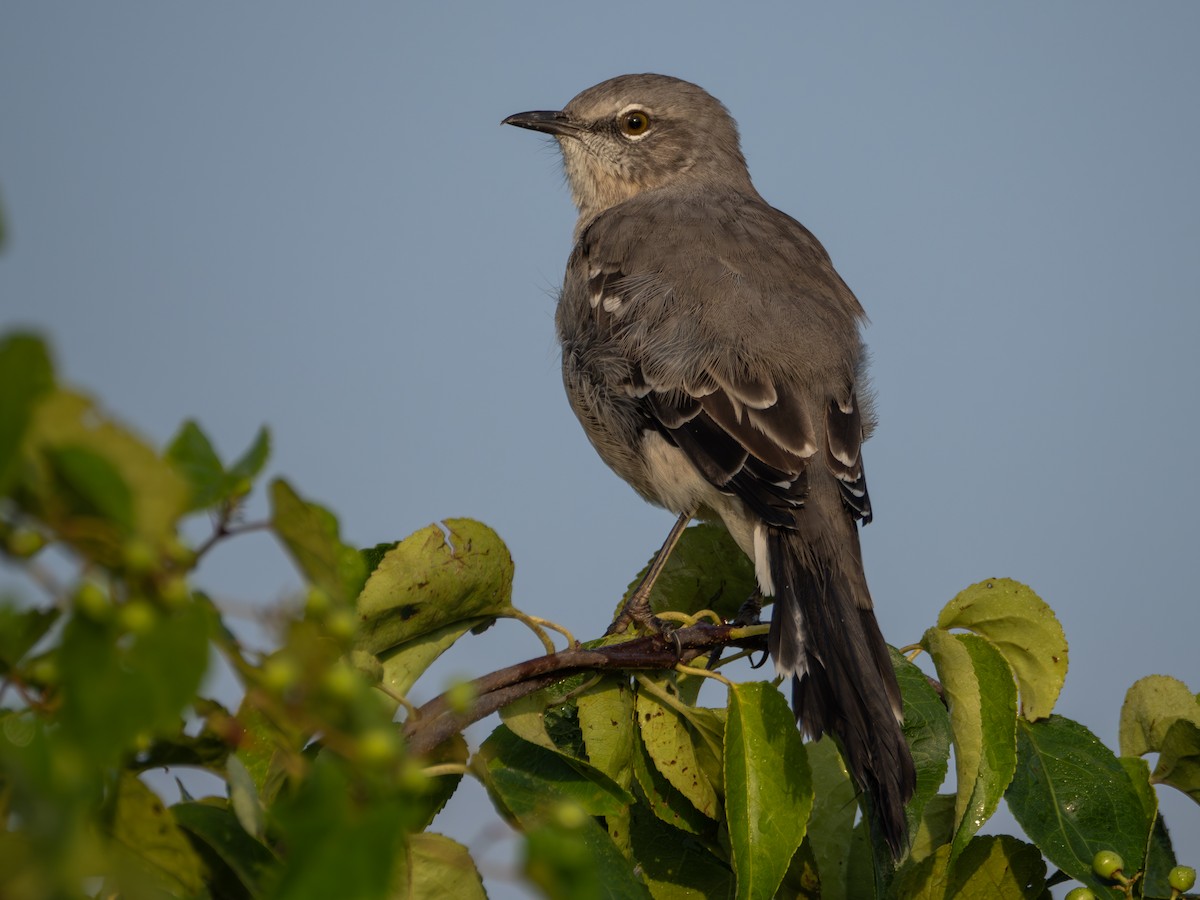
column 824, row 634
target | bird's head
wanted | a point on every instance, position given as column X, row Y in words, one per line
column 637, row 133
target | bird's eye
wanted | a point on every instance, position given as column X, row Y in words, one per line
column 634, row 123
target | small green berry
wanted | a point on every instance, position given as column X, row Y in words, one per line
column 1107, row 863
column 317, row 602
column 460, row 697
column 138, row 556
column 137, row 617
column 1081, row 893
column 174, row 592
column 91, row 600
column 1182, row 878
column 342, row 624
column 280, row 673
column 377, row 747
column 340, row 682
column 25, row 542
column 569, row 815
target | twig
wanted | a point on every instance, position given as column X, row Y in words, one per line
column 437, row 720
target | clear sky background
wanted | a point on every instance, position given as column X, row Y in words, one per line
column 309, row 216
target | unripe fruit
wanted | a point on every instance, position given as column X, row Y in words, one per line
column 317, row 602
column 342, row 624
column 25, row 542
column 174, row 591
column 1107, row 863
column 377, row 747
column 137, row 617
column 280, row 673
column 138, row 556
column 1182, row 878
column 1081, row 893
column 91, row 600
column 340, row 682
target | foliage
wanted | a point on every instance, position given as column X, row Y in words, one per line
column 620, row 781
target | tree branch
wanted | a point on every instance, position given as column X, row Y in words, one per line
column 437, row 720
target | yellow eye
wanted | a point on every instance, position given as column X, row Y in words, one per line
column 634, row 123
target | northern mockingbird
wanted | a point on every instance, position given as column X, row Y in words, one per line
column 713, row 356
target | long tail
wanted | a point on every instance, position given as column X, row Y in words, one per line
column 824, row 634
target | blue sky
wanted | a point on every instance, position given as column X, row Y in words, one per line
column 309, row 216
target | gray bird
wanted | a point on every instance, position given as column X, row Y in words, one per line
column 713, row 357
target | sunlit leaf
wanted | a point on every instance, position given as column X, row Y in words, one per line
column 1152, row 705
column 437, row 868
column 1024, row 629
column 434, row 579
column 768, row 787
column 982, row 699
column 310, row 534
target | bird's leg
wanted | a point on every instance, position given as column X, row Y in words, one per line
column 637, row 607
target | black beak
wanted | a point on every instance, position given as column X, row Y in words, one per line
column 546, row 121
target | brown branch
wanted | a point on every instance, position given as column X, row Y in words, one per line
column 437, row 720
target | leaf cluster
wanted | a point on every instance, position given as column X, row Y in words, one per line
column 621, row 782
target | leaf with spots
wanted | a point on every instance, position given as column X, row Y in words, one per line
column 1024, row 629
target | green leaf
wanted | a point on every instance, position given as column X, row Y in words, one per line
column 117, row 688
column 1160, row 857
column 835, row 803
column 439, row 867
column 569, row 857
column 606, row 718
column 1152, row 705
column 1179, row 759
column 243, row 798
column 550, row 718
column 768, row 787
column 159, row 496
column 526, row 779
column 310, row 534
column 983, row 706
column 1073, row 798
column 25, row 375
column 676, row 746
column 217, row 828
column 663, row 800
column 402, row 665
column 20, row 630
column 927, row 730
column 91, row 486
column 150, row 847
column 706, row 570
column 341, row 840
column 250, row 463
column 432, row 580
column 553, row 802
column 193, row 456
column 1024, row 629
column 996, row 867
column 676, row 865
column 935, row 828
